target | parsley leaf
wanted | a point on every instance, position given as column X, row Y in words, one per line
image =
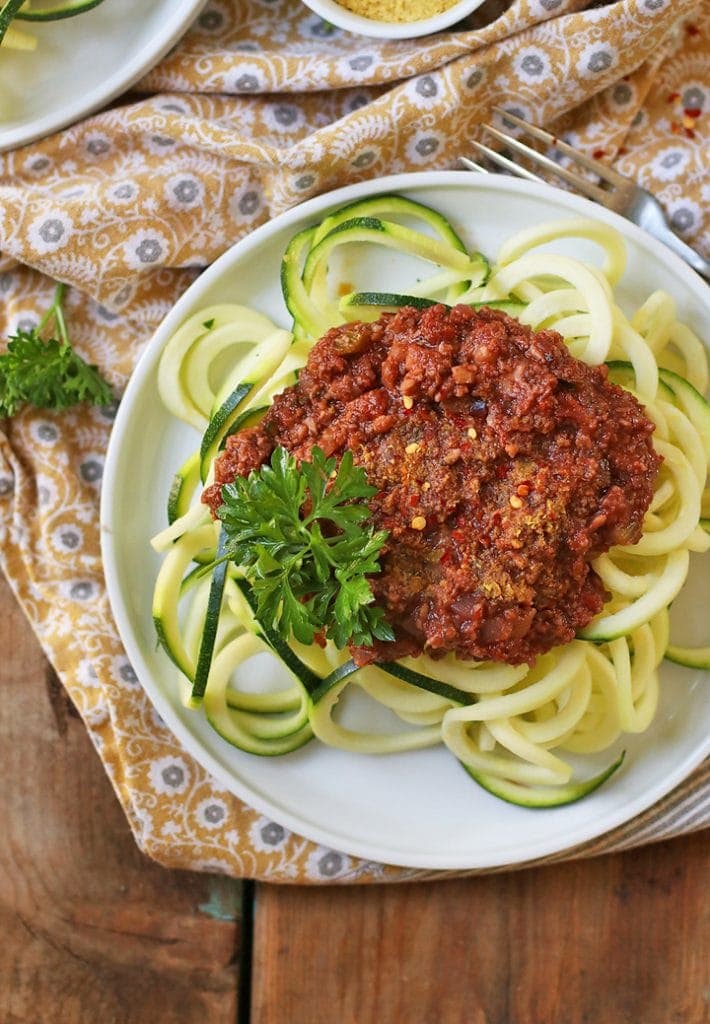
column 48, row 374
column 300, row 535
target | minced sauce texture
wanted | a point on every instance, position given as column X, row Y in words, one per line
column 503, row 467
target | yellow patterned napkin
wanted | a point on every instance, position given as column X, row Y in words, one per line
column 260, row 106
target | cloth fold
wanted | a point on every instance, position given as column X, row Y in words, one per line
column 260, row 106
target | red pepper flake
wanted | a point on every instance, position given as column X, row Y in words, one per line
column 458, row 535
column 693, row 112
column 622, row 151
column 445, row 558
column 413, row 500
column 692, row 30
column 690, row 134
column 599, row 153
column 675, row 128
column 673, row 97
column 502, row 470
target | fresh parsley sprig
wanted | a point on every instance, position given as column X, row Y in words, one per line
column 301, row 536
column 48, row 374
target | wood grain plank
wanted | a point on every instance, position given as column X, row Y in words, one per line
column 623, row 939
column 91, row 929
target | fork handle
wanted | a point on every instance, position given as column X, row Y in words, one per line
column 652, row 219
column 693, row 258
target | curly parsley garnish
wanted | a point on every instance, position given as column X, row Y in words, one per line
column 300, row 534
column 48, row 374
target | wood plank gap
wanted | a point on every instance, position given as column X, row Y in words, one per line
column 246, row 952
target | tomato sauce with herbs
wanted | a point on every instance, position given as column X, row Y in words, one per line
column 503, row 467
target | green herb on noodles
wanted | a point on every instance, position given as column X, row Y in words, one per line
column 300, row 534
column 48, row 374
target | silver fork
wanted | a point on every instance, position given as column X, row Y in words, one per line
column 614, row 190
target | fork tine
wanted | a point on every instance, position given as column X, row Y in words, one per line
column 471, row 165
column 581, row 184
column 502, row 161
column 604, row 172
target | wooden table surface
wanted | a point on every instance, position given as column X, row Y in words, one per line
column 92, row 932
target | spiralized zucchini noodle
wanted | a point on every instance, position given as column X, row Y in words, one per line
column 510, row 726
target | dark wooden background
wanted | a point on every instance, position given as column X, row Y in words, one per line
column 92, row 932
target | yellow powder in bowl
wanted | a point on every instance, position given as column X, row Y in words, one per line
column 397, row 10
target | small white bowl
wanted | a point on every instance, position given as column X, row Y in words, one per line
column 338, row 15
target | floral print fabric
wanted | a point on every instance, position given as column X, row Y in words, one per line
column 260, row 106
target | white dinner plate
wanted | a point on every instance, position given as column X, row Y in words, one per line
column 419, row 808
column 82, row 63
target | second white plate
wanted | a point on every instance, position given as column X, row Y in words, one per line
column 82, row 63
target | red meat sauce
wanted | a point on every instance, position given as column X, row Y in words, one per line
column 503, row 466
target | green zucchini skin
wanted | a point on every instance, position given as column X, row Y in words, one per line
column 218, row 426
column 389, row 204
column 228, row 413
column 220, row 720
column 540, row 797
column 166, row 596
column 689, row 657
column 388, row 300
column 57, row 12
column 401, row 672
column 164, row 636
column 336, row 676
column 183, row 487
column 247, row 418
column 8, row 11
column 307, row 319
column 622, row 373
column 695, row 407
column 308, row 679
column 307, row 253
column 408, row 675
column 395, row 300
column 209, row 632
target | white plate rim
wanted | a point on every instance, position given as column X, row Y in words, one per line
column 150, row 53
column 354, row 847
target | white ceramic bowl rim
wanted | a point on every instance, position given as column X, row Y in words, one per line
column 338, row 15
column 178, row 16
